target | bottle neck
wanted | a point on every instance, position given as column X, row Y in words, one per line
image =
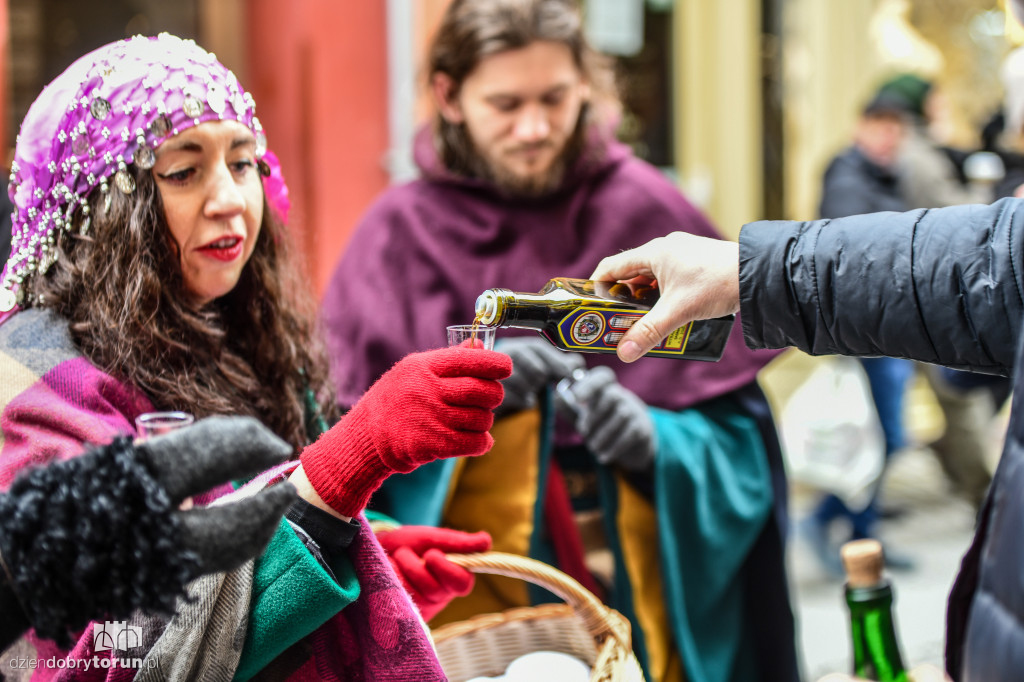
column 506, row 308
column 876, row 651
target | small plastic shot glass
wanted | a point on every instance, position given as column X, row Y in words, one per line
column 477, row 336
column 155, row 423
column 150, row 424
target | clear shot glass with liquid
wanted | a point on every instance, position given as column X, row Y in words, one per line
column 476, row 335
column 156, row 423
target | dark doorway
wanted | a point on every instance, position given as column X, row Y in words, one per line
column 48, row 35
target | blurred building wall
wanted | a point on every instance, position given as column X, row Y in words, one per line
column 318, row 71
column 718, row 125
column 830, row 68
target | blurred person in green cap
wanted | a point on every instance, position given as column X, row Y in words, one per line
column 863, row 178
column 929, row 175
column 932, row 176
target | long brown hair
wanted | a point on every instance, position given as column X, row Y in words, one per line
column 253, row 351
column 472, row 30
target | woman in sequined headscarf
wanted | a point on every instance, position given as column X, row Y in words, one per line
column 82, row 242
column 148, row 271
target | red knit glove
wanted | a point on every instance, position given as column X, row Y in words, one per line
column 417, row 555
column 428, row 406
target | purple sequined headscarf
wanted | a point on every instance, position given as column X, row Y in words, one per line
column 110, row 109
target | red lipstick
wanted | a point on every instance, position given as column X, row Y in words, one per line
column 225, row 248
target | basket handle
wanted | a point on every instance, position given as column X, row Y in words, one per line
column 596, row 617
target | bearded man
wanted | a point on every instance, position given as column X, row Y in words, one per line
column 522, row 180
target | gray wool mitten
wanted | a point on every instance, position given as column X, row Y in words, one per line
column 214, row 450
column 535, row 364
column 614, row 422
column 102, row 535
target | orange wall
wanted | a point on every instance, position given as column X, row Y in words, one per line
column 318, row 72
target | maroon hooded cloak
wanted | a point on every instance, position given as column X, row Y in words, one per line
column 425, row 250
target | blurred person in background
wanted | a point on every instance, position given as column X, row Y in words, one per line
column 522, row 181
column 1003, row 134
column 932, row 176
column 863, row 178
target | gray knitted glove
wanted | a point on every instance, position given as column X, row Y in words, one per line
column 215, row 450
column 101, row 535
column 535, row 363
column 614, row 421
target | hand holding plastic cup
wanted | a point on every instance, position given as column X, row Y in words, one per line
column 471, row 336
column 155, row 423
column 152, row 424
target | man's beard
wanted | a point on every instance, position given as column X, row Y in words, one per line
column 460, row 155
column 528, row 186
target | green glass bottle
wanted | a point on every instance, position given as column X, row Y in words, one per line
column 876, row 651
column 591, row 317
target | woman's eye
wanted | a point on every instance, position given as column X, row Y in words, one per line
column 243, row 166
column 178, row 176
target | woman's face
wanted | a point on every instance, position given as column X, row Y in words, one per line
column 213, row 203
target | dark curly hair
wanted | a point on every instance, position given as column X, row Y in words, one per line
column 254, row 351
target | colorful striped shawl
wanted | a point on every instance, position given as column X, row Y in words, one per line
column 53, row 402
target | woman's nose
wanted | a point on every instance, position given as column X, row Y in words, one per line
column 225, row 198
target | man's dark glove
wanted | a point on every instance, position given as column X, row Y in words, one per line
column 614, row 422
column 101, row 535
column 535, row 363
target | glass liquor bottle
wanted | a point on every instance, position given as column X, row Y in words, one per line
column 876, row 651
column 591, row 317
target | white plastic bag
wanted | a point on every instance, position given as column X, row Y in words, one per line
column 831, row 435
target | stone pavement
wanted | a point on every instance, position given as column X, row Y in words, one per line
column 935, row 531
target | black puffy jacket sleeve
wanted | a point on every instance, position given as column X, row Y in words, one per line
column 940, row 285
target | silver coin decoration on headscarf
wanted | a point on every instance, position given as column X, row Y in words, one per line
column 124, row 181
column 144, row 157
column 99, row 108
column 161, row 125
column 192, row 107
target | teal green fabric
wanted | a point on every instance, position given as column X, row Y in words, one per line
column 379, row 517
column 713, row 496
column 315, row 424
column 418, row 497
column 292, row 595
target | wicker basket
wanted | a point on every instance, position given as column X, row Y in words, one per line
column 583, row 627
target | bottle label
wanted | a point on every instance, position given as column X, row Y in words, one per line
column 590, row 329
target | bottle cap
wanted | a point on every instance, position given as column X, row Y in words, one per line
column 486, row 307
column 863, row 562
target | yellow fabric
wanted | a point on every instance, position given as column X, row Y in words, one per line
column 16, row 379
column 638, row 534
column 497, row 492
